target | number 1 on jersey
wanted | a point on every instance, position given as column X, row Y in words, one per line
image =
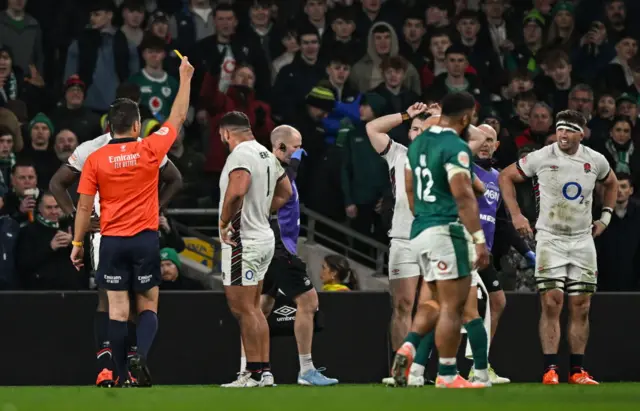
column 424, row 177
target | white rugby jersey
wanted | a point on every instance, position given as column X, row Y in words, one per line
column 252, row 221
column 83, row 151
column 565, row 185
column 396, row 157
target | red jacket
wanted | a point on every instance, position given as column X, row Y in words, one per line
column 217, row 104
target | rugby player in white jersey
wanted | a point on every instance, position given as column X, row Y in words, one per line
column 566, row 173
column 404, row 272
column 253, row 184
column 69, row 174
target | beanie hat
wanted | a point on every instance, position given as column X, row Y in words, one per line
column 322, row 98
column 563, row 6
column 169, row 254
column 536, row 17
column 375, row 101
column 74, row 81
column 41, row 118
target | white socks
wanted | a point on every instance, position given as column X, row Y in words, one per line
column 306, row 363
column 243, row 363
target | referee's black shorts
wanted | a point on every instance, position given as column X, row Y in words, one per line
column 129, row 263
column 489, row 277
column 286, row 274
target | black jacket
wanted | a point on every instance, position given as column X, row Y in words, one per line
column 82, row 121
column 9, row 230
column 396, row 104
column 439, row 89
column 88, row 45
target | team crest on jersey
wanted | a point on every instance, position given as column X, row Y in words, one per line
column 123, row 148
column 587, row 168
column 155, row 104
column 442, row 266
column 166, row 91
column 463, row 158
column 554, row 168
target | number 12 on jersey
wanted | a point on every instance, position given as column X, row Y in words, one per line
column 424, row 179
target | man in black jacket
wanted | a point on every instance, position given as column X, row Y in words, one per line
column 20, row 202
column 43, row 252
column 72, row 115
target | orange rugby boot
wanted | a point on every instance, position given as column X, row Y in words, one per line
column 582, row 378
column 105, row 379
column 402, row 364
column 458, row 382
column 551, row 377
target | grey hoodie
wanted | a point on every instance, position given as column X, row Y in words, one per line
column 25, row 44
column 366, row 73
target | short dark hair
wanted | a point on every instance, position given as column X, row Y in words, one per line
column 152, row 42
column 340, row 57
column 381, row 28
column 123, row 114
column 22, row 162
column 456, row 49
column 556, row 58
column 572, row 116
column 6, row 131
column 618, row 119
column 455, row 104
column 128, row 90
column 625, row 176
column 440, row 32
column 307, row 30
column 529, row 96
column 468, row 14
column 235, row 119
column 415, row 14
column 223, row 7
column 345, row 13
column 394, row 62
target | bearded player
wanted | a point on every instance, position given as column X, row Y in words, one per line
column 566, row 173
column 67, row 175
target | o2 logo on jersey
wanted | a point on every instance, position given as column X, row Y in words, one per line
column 249, row 275
column 572, row 191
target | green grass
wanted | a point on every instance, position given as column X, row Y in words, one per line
column 345, row 397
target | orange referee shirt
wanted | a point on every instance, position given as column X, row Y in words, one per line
column 125, row 171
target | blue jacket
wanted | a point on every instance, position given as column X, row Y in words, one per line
column 332, row 122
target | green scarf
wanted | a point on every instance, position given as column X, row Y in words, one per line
column 8, row 161
column 10, row 90
column 620, row 155
column 47, row 223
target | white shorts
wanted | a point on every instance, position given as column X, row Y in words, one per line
column 95, row 250
column 566, row 263
column 246, row 264
column 402, row 261
column 445, row 252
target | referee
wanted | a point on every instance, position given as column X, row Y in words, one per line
column 126, row 170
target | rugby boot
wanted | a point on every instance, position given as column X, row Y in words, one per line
column 244, row 381
column 105, row 379
column 140, row 371
column 582, row 378
column 267, row 379
column 459, row 382
column 550, row 377
column 402, row 364
column 316, row 378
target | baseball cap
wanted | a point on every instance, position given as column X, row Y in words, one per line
column 628, row 98
column 74, row 81
column 158, row 16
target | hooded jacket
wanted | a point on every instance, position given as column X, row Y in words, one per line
column 366, row 73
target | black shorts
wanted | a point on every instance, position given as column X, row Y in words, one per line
column 489, row 277
column 129, row 263
column 287, row 274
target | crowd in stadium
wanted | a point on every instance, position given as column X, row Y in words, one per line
column 325, row 67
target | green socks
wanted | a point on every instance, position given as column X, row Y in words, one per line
column 423, row 352
column 479, row 341
column 414, row 339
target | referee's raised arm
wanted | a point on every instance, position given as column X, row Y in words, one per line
column 162, row 140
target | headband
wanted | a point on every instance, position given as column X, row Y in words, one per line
column 566, row 125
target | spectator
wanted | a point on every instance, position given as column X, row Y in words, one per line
column 347, row 98
column 43, row 252
column 415, row 45
column 616, row 19
column 72, row 115
column 617, row 76
column 10, row 121
column 437, row 14
column 540, row 126
column 372, row 12
column 522, row 104
column 21, row 33
column 439, row 42
column 520, row 81
column 169, row 236
column 40, row 149
column 157, row 88
column 342, row 38
column 65, row 144
column 316, row 11
column 562, row 32
column 337, row 275
column 365, row 175
column 456, row 77
column 627, row 105
column 132, row 91
column 297, row 79
column 133, row 16
column 172, row 278
column 20, row 202
column 524, row 56
column 619, row 150
column 263, row 31
column 600, row 124
column 101, row 57
column 239, row 97
column 397, row 97
column 619, row 246
column 15, row 86
column 9, row 230
column 554, row 87
column 159, row 26
column 190, row 163
column 289, row 40
column 482, row 59
column 500, row 31
column 581, row 100
column 220, row 53
column 382, row 42
column 634, row 66
column 192, row 23
column 594, row 52
column 7, row 156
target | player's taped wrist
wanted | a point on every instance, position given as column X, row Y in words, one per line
column 605, row 216
column 405, row 116
column 478, row 237
column 77, row 243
